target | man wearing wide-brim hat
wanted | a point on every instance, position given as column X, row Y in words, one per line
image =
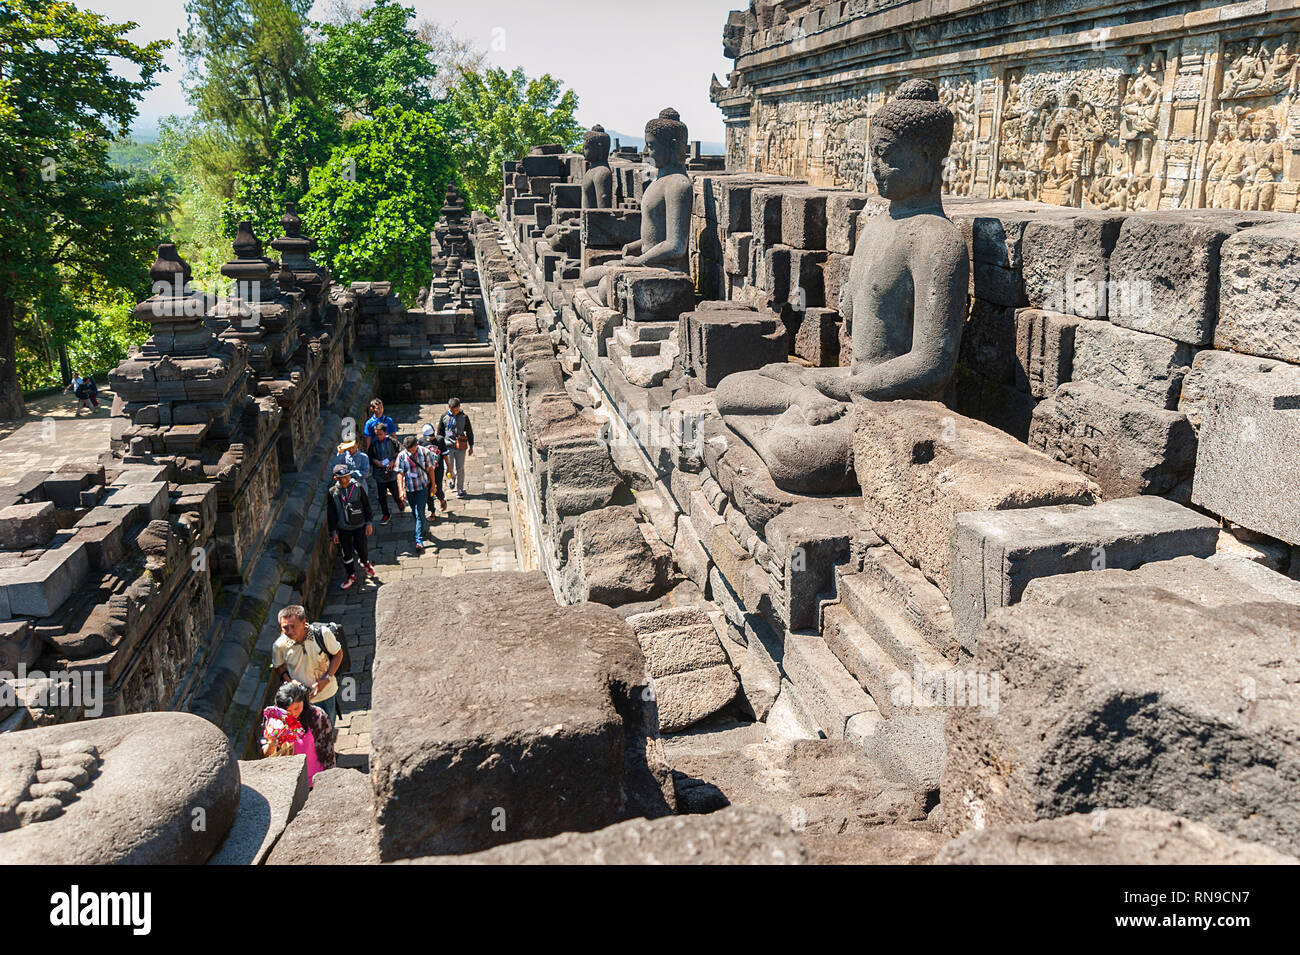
column 358, row 462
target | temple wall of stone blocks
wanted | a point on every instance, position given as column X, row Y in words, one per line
column 1142, row 107
column 1125, row 400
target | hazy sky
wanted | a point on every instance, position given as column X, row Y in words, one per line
column 626, row 59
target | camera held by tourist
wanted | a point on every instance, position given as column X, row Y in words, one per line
column 456, row 436
column 349, row 514
column 294, row 727
column 383, row 461
column 310, row 653
column 416, row 474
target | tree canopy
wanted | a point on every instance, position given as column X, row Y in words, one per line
column 499, row 116
column 72, row 221
column 363, row 120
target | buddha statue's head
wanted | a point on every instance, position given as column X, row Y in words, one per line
column 665, row 139
column 909, row 139
column 595, row 146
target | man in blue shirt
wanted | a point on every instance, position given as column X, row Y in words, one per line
column 377, row 415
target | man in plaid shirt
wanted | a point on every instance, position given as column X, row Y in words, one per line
column 415, row 468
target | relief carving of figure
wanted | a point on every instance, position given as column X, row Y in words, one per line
column 1139, row 115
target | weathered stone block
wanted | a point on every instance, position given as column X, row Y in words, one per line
column 538, row 711
column 731, row 836
column 566, row 195
column 1133, row 697
column 765, row 216
column 690, row 555
column 1210, row 366
column 808, row 540
column 148, row 502
column 717, row 342
column 1259, row 292
column 653, row 295
column 988, row 342
column 1044, row 350
column 547, row 166
column 995, row 284
column 736, row 254
column 817, row 339
column 1065, row 262
column 609, row 228
column 1215, row 581
column 807, row 283
column 919, row 465
column 691, row 673
column 65, row 485
column 616, row 563
column 835, row 278
column 1165, row 272
column 995, row 554
column 844, row 218
column 803, row 218
column 1149, row 367
column 1248, row 456
column 1127, row 445
column 26, row 526
column 1142, row 836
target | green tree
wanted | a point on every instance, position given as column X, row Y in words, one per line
column 70, row 219
column 373, row 59
column 496, row 117
column 304, row 138
column 372, row 206
column 248, row 60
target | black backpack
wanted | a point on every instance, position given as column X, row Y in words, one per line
column 350, row 510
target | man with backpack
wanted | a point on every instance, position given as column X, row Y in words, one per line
column 456, row 435
column 310, row 654
column 349, row 515
column 383, row 459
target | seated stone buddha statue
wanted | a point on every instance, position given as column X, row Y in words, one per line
column 905, row 299
column 665, row 208
column 598, row 180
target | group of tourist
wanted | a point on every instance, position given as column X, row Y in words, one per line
column 86, row 391
column 409, row 470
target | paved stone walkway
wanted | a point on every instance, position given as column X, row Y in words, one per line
column 474, row 534
column 51, row 433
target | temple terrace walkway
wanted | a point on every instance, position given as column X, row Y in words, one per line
column 473, row 535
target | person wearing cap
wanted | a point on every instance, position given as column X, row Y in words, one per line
column 347, row 508
column 358, row 462
column 428, row 439
column 456, row 435
column 383, row 458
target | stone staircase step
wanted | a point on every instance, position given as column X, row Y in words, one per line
column 647, row 372
column 833, row 697
column 924, row 603
column 886, row 619
column 652, row 331
column 873, row 668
